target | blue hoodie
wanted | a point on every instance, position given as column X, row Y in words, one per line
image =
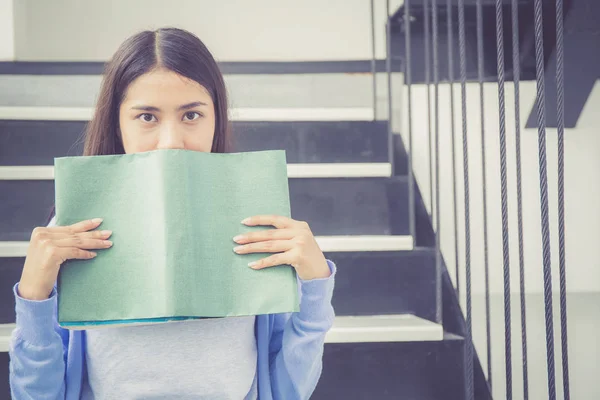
column 47, row 362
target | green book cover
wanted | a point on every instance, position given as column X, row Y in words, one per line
column 173, row 214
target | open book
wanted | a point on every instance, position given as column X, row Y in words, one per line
column 173, row 214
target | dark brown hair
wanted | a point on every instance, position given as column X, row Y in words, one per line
column 171, row 48
column 174, row 49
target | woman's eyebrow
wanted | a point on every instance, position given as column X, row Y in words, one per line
column 180, row 108
column 191, row 105
column 145, row 108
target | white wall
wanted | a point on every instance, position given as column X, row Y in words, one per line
column 7, row 37
column 234, row 30
column 582, row 191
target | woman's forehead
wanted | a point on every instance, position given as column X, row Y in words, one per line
column 166, row 87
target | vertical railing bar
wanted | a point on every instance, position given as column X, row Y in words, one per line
column 408, row 79
column 516, row 79
column 388, row 66
column 504, row 197
column 463, row 86
column 427, row 34
column 373, row 65
column 480, row 75
column 436, row 95
column 450, row 34
column 547, row 265
column 560, row 87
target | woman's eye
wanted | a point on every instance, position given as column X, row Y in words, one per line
column 191, row 115
column 147, row 117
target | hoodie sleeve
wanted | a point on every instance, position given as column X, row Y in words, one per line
column 297, row 342
column 37, row 349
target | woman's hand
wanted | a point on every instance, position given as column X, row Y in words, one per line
column 50, row 247
column 293, row 242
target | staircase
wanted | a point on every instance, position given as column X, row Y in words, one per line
column 386, row 342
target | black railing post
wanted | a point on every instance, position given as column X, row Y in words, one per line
column 504, row 197
column 388, row 67
column 480, row 77
column 543, row 170
column 560, row 118
column 450, row 34
column 408, row 80
column 516, row 79
column 436, row 101
column 463, row 87
column 373, row 65
column 427, row 34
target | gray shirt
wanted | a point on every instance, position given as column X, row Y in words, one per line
column 197, row 359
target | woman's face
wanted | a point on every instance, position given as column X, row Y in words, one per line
column 164, row 110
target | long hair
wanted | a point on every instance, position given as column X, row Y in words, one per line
column 171, row 48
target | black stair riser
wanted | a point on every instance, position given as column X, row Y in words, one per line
column 38, row 142
column 382, row 371
column 367, row 283
column 316, row 142
column 372, row 283
column 4, row 386
column 10, row 273
column 331, row 206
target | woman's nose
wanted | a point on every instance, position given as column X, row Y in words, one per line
column 170, row 138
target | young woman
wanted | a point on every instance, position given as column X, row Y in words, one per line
column 163, row 90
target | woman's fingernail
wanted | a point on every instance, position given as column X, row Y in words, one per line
column 97, row 220
column 94, row 254
column 237, row 249
column 108, row 243
column 106, row 233
column 245, row 221
column 252, row 264
column 238, row 238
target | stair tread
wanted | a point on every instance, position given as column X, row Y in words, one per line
column 327, row 243
column 5, row 332
column 383, row 328
column 350, row 329
column 295, row 170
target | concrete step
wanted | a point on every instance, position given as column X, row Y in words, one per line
column 369, row 329
column 348, row 332
column 383, row 328
column 309, row 90
column 369, row 282
column 390, row 282
column 313, row 170
column 332, row 206
column 37, row 142
column 403, row 369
